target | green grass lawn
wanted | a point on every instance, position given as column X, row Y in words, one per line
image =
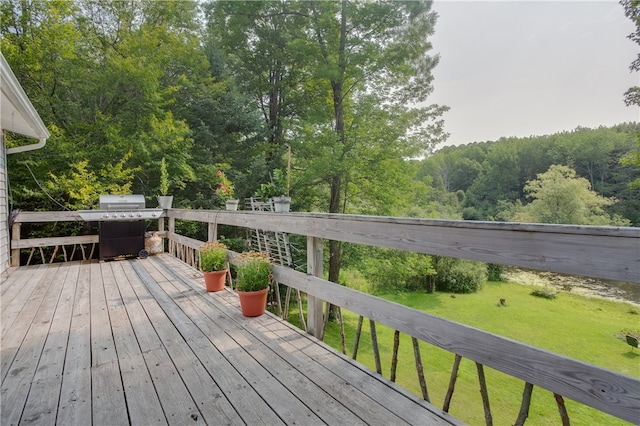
column 572, row 325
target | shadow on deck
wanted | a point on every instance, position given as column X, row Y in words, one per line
column 142, row 342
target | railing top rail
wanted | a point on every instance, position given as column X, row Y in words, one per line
column 592, row 251
column 279, row 221
column 595, row 251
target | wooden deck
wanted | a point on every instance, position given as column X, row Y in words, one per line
column 142, row 342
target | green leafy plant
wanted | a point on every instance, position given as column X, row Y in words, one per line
column 459, row 276
column 213, row 256
column 275, row 187
column 164, row 177
column 254, row 271
column 225, row 188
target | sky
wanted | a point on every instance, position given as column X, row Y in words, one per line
column 531, row 68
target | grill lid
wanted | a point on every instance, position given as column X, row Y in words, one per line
column 122, row 202
column 120, row 208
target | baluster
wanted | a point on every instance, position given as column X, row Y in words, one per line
column 33, row 249
column 342, row 338
column 287, row 302
column 564, row 415
column 325, row 318
column 300, row 311
column 356, row 342
column 524, row 406
column 420, row 370
column 53, row 255
column 485, row 395
column 452, row 383
column 276, row 289
column 374, row 343
column 314, row 304
column 394, row 357
column 15, row 239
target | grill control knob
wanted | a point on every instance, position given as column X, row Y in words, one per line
column 130, row 214
column 139, row 214
column 114, row 215
column 123, row 215
column 153, row 214
column 105, row 216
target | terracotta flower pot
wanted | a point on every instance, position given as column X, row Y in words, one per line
column 253, row 303
column 215, row 280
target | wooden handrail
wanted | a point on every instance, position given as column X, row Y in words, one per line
column 593, row 251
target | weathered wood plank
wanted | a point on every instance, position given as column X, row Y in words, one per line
column 248, row 403
column 569, row 249
column 14, row 296
column 305, row 390
column 42, row 403
column 57, row 216
column 373, row 399
column 608, row 391
column 177, row 403
column 75, row 394
column 54, row 241
column 227, row 337
column 204, row 405
column 17, row 383
column 185, row 344
column 108, row 403
column 348, row 400
column 143, row 404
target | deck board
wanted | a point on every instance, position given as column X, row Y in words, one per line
column 142, row 342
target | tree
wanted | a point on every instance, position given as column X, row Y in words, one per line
column 341, row 83
column 559, row 196
column 632, row 11
column 370, row 53
column 120, row 84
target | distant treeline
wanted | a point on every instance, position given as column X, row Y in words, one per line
column 485, row 178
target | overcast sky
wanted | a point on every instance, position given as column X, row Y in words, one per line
column 522, row 68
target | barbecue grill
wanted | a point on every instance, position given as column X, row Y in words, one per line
column 121, row 225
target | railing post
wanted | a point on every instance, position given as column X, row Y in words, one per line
column 172, row 230
column 213, row 231
column 161, row 228
column 315, row 320
column 15, row 237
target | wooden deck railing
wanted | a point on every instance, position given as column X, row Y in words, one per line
column 599, row 252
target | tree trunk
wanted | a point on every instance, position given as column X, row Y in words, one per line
column 336, row 182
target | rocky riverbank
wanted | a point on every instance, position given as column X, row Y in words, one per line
column 589, row 287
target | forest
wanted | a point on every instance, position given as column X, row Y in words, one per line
column 330, row 99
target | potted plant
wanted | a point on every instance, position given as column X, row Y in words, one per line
column 164, row 200
column 275, row 192
column 213, row 257
column 252, row 282
column 225, row 191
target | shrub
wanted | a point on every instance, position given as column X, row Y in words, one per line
column 459, row 276
column 390, row 270
column 494, row 272
column 545, row 293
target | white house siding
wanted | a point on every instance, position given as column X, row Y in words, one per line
column 4, row 210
